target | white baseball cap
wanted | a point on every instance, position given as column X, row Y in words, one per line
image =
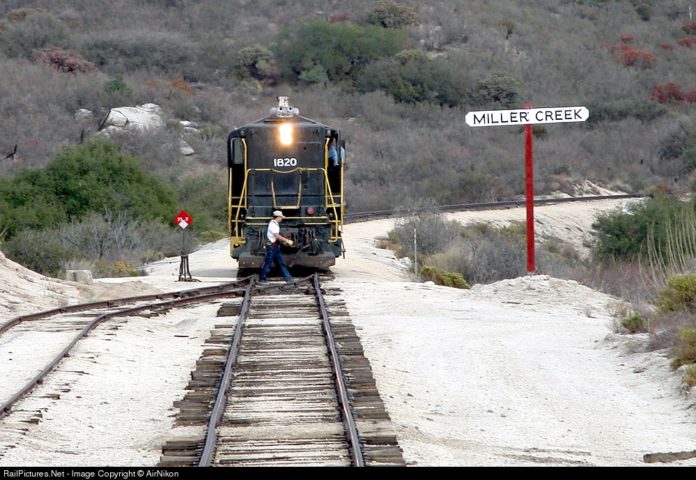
column 278, row 213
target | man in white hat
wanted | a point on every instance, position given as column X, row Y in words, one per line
column 273, row 239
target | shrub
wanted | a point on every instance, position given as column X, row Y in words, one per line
column 629, row 56
column 257, row 62
column 93, row 178
column 341, row 49
column 33, row 29
column 641, row 232
column 40, row 251
column 123, row 51
column 633, row 324
column 687, row 42
column 391, row 14
column 622, row 109
column 685, row 350
column 679, row 293
column 64, row 61
column 447, row 279
column 178, row 86
column 672, row 93
column 433, row 233
column 644, row 8
column 498, row 88
column 689, row 28
column 411, row 78
column 690, row 376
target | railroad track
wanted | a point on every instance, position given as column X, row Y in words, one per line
column 286, row 384
column 84, row 318
column 380, row 214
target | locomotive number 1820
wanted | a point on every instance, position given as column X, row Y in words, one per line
column 285, row 162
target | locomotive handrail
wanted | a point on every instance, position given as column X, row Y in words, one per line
column 329, row 194
column 299, row 195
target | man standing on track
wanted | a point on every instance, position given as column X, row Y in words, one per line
column 273, row 239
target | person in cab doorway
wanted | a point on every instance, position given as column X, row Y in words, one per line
column 273, row 255
column 336, row 158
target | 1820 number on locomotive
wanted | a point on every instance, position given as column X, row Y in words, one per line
column 285, row 162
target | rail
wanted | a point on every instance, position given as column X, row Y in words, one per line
column 381, row 214
column 38, row 379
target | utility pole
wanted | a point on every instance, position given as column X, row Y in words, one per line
column 415, row 253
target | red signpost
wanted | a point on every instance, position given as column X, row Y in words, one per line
column 528, row 117
column 529, row 176
column 183, row 220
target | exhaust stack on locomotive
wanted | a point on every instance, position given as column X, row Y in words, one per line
column 293, row 164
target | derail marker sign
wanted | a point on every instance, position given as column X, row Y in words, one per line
column 523, row 117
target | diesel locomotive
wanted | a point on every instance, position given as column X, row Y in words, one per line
column 293, row 164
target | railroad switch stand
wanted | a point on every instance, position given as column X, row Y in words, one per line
column 184, row 272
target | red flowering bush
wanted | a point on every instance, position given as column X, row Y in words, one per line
column 672, row 93
column 689, row 28
column 630, row 57
column 687, row 41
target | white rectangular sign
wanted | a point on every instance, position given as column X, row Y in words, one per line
column 526, row 116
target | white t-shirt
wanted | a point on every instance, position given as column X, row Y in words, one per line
column 273, row 228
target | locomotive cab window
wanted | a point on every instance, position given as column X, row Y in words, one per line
column 236, row 153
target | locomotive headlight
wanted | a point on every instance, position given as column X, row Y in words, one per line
column 285, row 132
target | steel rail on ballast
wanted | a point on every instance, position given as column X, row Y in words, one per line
column 340, row 380
column 118, row 302
column 380, row 214
column 221, row 398
column 5, row 407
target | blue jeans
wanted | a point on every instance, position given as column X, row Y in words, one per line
column 272, row 255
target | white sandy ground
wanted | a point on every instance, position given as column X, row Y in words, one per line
column 521, row 372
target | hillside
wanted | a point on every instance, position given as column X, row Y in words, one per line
column 222, row 63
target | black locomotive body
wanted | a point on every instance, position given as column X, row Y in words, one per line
column 293, row 164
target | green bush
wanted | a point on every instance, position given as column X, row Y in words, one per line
column 679, row 294
column 340, row 49
column 685, row 352
column 447, row 279
column 255, row 61
column 123, row 51
column 627, row 235
column 392, row 14
column 501, row 88
column 617, row 110
column 633, row 324
column 410, row 78
column 92, row 178
column 40, row 251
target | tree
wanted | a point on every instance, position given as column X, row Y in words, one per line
column 93, row 178
column 340, row 49
column 392, row 14
column 499, row 87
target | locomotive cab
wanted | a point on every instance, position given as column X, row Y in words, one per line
column 293, row 164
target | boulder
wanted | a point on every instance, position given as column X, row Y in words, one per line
column 80, row 276
column 83, row 114
column 143, row 117
column 185, row 148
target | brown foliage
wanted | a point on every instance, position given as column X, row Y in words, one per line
column 176, row 85
column 64, row 60
column 20, row 14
